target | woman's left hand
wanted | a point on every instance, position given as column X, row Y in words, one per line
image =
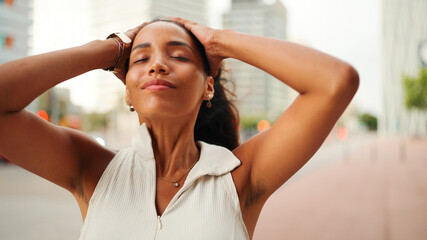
column 206, row 36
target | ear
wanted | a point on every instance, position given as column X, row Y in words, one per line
column 210, row 87
column 127, row 97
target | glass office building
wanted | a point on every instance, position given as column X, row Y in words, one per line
column 258, row 93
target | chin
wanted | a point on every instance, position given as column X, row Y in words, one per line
column 164, row 112
column 171, row 111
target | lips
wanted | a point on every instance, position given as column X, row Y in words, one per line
column 158, row 82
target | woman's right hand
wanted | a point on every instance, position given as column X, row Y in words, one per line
column 131, row 33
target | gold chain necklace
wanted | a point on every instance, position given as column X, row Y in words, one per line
column 176, row 183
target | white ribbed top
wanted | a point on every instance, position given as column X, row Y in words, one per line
column 123, row 203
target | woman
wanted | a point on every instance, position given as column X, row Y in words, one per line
column 169, row 185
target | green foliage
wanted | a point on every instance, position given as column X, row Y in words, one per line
column 97, row 121
column 369, row 121
column 416, row 90
column 249, row 122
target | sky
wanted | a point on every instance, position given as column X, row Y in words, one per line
column 347, row 29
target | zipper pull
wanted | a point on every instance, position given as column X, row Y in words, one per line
column 159, row 223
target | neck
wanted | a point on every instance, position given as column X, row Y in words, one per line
column 173, row 146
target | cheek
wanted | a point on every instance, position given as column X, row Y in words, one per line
column 132, row 83
column 133, row 77
column 195, row 83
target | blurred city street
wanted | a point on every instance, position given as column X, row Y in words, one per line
column 33, row 208
column 363, row 188
column 377, row 191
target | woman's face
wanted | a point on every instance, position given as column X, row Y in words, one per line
column 165, row 76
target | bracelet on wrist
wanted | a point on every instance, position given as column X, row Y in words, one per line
column 124, row 49
column 118, row 55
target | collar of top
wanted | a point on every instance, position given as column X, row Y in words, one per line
column 214, row 160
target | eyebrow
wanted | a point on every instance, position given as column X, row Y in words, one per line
column 142, row 45
column 171, row 43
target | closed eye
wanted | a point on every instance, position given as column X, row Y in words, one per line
column 141, row 60
column 180, row 58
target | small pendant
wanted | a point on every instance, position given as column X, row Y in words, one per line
column 176, row 184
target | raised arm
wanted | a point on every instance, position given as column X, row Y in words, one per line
column 27, row 140
column 325, row 84
column 25, row 79
column 60, row 155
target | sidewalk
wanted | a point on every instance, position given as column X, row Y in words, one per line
column 377, row 193
column 33, row 208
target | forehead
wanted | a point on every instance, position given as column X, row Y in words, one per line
column 162, row 32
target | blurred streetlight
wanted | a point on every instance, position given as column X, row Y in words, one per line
column 342, row 133
column 263, row 125
column 43, row 114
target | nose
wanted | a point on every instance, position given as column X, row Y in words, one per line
column 159, row 66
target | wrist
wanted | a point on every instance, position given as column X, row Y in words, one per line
column 124, row 44
column 106, row 52
column 221, row 43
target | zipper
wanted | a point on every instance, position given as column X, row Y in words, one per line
column 159, row 223
column 173, row 200
column 159, row 226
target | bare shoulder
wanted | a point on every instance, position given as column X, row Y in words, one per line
column 64, row 156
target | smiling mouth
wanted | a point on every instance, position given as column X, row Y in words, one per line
column 157, row 84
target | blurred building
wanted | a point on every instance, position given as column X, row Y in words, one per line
column 109, row 15
column 58, row 106
column 258, row 93
column 404, row 30
column 15, row 24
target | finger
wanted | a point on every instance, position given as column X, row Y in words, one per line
column 119, row 75
column 178, row 20
column 138, row 28
column 214, row 72
column 215, row 65
column 175, row 19
column 134, row 31
column 187, row 23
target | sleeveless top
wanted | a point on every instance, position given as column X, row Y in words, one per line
column 123, row 203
